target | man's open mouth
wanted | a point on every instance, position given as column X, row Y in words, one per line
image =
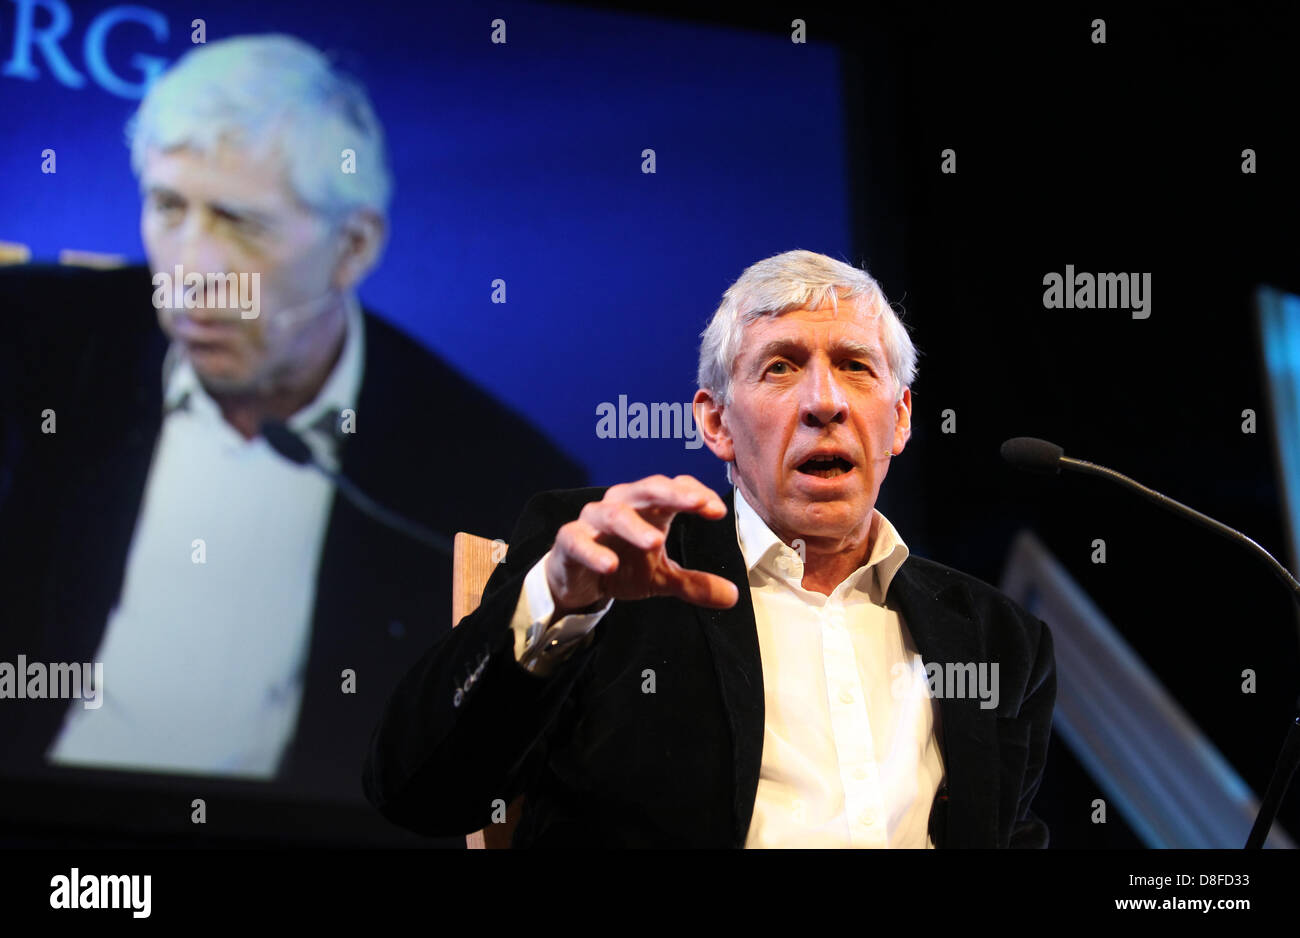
column 825, row 467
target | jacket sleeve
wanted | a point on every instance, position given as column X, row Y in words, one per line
column 468, row 724
column 1029, row 829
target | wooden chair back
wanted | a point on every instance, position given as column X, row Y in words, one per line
column 473, row 560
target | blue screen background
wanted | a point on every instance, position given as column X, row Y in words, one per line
column 519, row 161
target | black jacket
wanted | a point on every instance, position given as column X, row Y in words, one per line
column 602, row 763
column 428, row 444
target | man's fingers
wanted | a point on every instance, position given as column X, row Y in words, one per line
column 682, row 493
column 700, row 588
column 623, row 522
column 577, row 541
column 711, row 504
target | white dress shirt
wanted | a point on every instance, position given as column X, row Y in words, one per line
column 851, row 751
column 203, row 661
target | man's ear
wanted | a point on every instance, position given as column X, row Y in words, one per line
column 713, row 429
column 362, row 235
column 902, row 421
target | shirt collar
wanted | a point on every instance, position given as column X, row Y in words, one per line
column 762, row 548
column 318, row 422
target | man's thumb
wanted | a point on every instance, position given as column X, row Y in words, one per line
column 702, row 589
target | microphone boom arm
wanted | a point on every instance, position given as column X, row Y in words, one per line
column 1088, row 468
column 378, row 512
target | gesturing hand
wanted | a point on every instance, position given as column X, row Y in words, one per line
column 615, row 548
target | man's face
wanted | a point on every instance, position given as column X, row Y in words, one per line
column 813, row 383
column 229, row 211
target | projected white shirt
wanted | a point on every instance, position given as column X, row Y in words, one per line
column 205, row 651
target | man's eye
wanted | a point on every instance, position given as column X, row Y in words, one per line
column 782, row 366
column 245, row 226
column 858, row 366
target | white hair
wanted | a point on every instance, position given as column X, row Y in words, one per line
column 781, row 284
column 786, row 282
column 271, row 91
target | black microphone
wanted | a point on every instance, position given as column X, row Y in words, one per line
column 287, row 443
column 293, row 448
column 1034, row 455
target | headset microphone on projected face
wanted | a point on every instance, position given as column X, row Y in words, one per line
column 291, row 315
column 287, row 316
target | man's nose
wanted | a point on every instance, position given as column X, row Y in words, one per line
column 198, row 248
column 824, row 400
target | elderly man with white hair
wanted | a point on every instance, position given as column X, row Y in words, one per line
column 250, row 623
column 656, row 665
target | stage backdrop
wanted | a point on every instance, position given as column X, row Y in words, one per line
column 519, row 162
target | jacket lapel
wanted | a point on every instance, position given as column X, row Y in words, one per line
column 98, row 505
column 940, row 619
column 733, row 640
column 101, row 504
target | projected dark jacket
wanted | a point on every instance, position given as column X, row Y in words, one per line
column 430, row 445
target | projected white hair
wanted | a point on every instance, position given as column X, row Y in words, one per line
column 264, row 92
column 782, row 284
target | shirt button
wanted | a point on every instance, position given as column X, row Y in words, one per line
column 846, row 697
column 860, row 773
column 867, row 819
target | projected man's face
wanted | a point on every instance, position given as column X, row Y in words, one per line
column 229, row 211
column 813, row 422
